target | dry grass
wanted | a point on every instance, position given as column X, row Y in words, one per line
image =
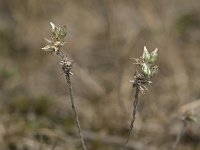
column 102, row 36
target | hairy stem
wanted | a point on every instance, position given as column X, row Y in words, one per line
column 75, row 112
column 179, row 135
column 135, row 103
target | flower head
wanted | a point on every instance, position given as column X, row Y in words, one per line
column 58, row 34
column 148, row 69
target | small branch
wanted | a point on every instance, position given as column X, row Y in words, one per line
column 180, row 135
column 75, row 112
column 135, row 103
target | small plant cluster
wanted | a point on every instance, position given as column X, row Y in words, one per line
column 55, row 46
column 187, row 118
column 141, row 78
column 148, row 69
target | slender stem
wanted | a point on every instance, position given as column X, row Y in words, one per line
column 180, row 135
column 135, row 103
column 41, row 141
column 54, row 145
column 75, row 112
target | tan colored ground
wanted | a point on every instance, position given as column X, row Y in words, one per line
column 35, row 110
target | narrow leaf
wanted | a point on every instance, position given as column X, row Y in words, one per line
column 146, row 69
column 146, row 54
column 53, row 27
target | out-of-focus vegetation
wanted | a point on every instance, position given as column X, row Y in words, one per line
column 35, row 111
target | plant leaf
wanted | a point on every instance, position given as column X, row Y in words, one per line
column 153, row 56
column 47, row 47
column 146, row 69
column 53, row 27
column 145, row 55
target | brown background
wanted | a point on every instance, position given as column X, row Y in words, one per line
column 35, row 111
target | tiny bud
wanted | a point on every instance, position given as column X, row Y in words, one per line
column 153, row 56
column 154, row 70
column 53, row 27
column 146, row 70
column 190, row 117
column 145, row 55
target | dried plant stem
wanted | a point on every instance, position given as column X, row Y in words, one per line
column 180, row 135
column 55, row 46
column 75, row 112
column 135, row 103
column 54, row 145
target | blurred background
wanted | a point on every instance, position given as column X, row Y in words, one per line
column 35, row 109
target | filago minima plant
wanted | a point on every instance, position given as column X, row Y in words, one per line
column 55, row 46
column 187, row 118
column 141, row 78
